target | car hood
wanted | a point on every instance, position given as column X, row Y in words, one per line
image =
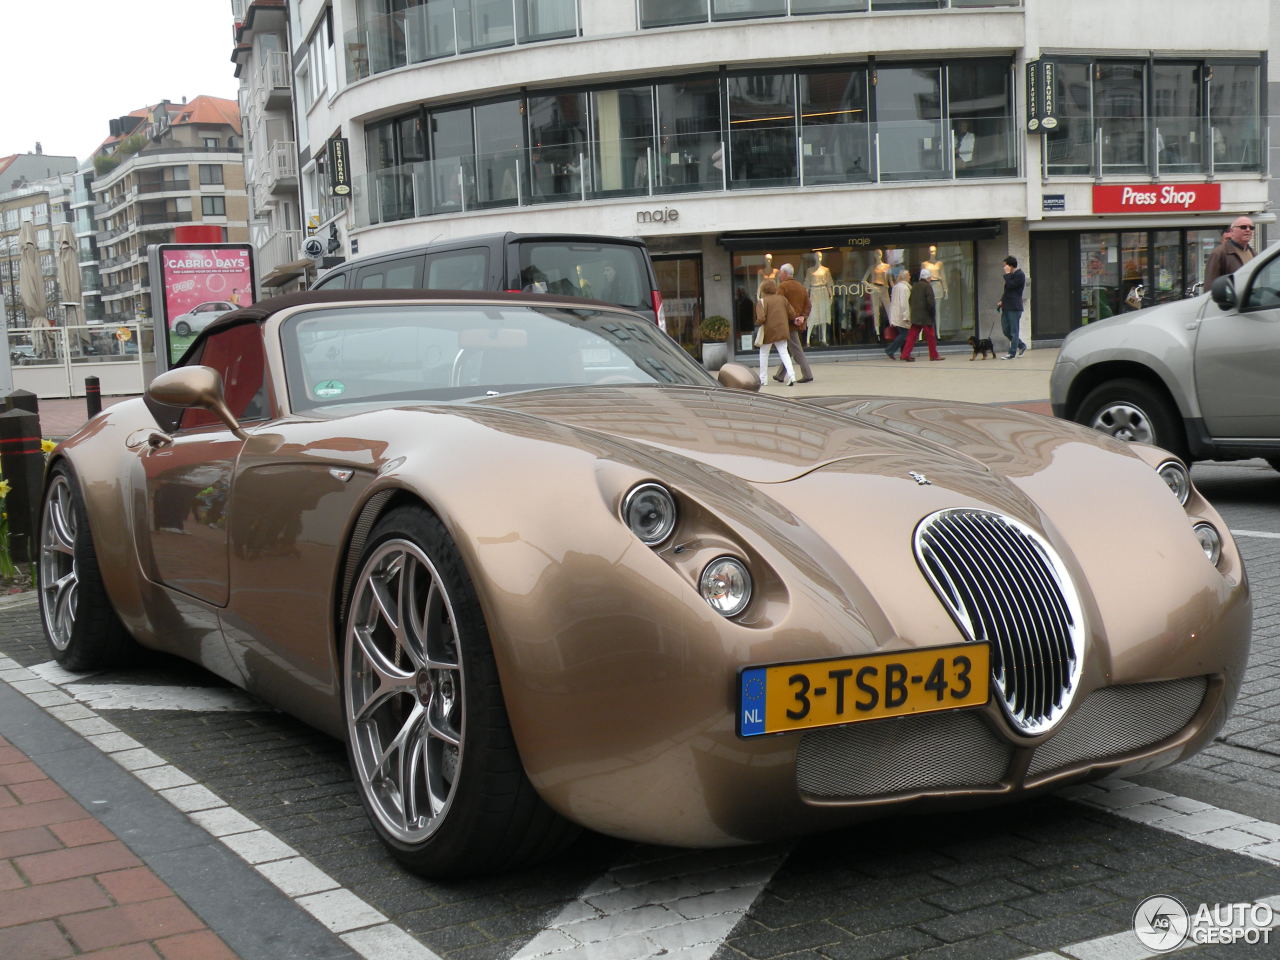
column 766, row 440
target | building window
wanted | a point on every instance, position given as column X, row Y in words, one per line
column 557, row 145
column 622, row 129
column 835, row 128
column 213, row 206
column 762, row 129
column 690, row 154
column 210, row 173
column 211, row 143
column 1152, row 117
column 980, row 109
column 909, row 123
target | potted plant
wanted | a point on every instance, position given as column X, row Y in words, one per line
column 715, row 350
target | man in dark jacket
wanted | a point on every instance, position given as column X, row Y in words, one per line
column 1232, row 253
column 1010, row 307
column 924, row 316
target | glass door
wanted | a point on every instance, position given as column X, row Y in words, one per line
column 680, row 280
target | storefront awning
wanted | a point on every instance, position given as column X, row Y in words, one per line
column 899, row 235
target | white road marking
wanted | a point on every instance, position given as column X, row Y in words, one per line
column 1201, row 822
column 671, row 903
column 109, row 695
column 1256, row 533
column 357, row 924
column 1127, row 946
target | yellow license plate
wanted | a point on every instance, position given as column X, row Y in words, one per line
column 824, row 693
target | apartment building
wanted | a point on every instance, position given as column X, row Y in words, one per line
column 45, row 204
column 839, row 135
column 164, row 166
column 263, row 66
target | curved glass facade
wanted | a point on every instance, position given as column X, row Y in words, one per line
column 728, row 130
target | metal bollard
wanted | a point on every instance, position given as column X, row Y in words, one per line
column 23, row 465
column 92, row 396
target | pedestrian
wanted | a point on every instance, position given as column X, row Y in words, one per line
column 899, row 311
column 798, row 297
column 773, row 320
column 1232, row 253
column 924, row 315
column 1010, row 307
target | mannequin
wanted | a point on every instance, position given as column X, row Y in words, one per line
column 939, row 280
column 876, row 283
column 767, row 272
column 821, row 289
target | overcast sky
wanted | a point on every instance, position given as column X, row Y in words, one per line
column 72, row 65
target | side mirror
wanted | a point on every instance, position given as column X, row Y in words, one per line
column 737, row 377
column 1223, row 292
column 194, row 387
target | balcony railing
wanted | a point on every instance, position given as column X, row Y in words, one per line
column 693, row 162
column 271, row 81
column 278, row 169
column 163, row 186
column 663, row 13
column 284, row 246
column 432, row 30
column 1155, row 146
column 168, row 216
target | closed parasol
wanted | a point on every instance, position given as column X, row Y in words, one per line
column 31, row 281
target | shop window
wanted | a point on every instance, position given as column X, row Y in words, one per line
column 1099, row 276
column 835, row 132
column 762, row 129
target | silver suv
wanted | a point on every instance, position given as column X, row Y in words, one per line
column 1199, row 377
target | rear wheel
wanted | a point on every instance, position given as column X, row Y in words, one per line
column 182, row 329
column 1133, row 410
column 80, row 624
column 428, row 738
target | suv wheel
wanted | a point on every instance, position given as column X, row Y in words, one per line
column 1133, row 410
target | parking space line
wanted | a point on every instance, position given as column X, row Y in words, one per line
column 1192, row 819
column 1262, row 534
column 361, row 927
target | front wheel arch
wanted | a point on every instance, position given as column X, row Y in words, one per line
column 1134, row 409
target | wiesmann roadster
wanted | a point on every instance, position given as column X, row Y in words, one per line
column 540, row 571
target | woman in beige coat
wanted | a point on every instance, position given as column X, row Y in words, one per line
column 775, row 315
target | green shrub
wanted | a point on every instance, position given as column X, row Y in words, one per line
column 715, row 328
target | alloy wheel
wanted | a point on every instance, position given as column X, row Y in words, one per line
column 1124, row 421
column 403, row 686
column 59, row 571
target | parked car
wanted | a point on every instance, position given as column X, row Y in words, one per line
column 199, row 317
column 1197, row 377
column 615, row 270
column 541, row 571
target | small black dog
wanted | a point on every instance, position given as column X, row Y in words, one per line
column 982, row 346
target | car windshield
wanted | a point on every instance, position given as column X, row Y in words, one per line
column 441, row 352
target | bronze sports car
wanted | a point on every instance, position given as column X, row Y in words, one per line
column 541, row 571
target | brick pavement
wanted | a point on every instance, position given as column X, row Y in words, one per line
column 70, row 887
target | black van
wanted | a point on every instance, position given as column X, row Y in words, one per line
column 614, row 269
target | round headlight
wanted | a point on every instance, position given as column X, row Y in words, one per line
column 1176, row 476
column 726, row 585
column 650, row 511
column 1210, row 541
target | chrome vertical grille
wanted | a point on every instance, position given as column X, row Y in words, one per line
column 1006, row 586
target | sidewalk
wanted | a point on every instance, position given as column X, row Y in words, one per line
column 68, row 885
column 1023, row 382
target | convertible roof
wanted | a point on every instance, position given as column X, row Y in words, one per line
column 265, row 308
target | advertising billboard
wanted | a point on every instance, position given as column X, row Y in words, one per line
column 199, row 282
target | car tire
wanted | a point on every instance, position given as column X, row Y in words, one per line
column 1133, row 410
column 182, row 329
column 80, row 624
column 428, row 738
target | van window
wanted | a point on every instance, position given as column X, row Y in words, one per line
column 337, row 282
column 615, row 273
column 394, row 274
column 458, row 270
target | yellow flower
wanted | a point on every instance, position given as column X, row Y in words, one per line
column 4, row 488
column 47, row 446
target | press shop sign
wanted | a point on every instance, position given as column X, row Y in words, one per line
column 1156, row 197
